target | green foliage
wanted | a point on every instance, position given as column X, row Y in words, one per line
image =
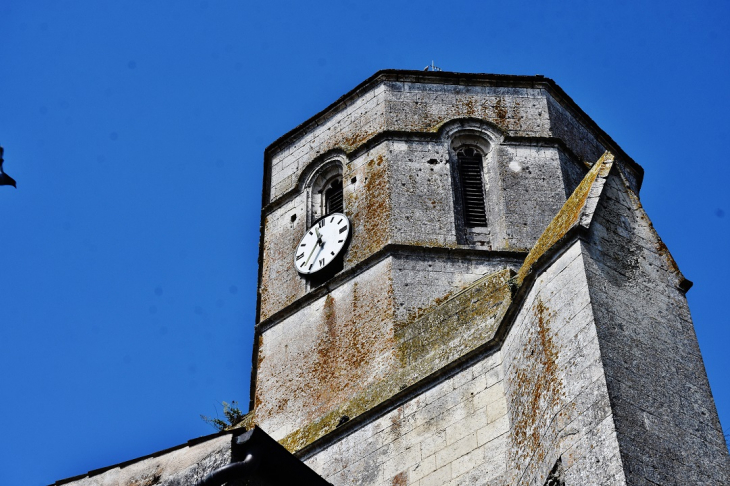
column 233, row 416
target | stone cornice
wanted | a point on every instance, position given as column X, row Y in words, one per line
column 514, row 257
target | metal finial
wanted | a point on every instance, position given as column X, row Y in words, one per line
column 432, row 67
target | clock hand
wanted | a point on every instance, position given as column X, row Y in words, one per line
column 316, row 245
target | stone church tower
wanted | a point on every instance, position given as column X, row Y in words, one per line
column 458, row 285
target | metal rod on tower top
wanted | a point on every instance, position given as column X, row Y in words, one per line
column 432, row 67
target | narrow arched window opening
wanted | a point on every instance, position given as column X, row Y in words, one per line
column 333, row 198
column 325, row 191
column 472, row 187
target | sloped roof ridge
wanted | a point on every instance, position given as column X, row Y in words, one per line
column 120, row 465
column 577, row 211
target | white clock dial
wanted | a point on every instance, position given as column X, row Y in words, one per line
column 322, row 243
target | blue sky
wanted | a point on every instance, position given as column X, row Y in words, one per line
column 136, row 133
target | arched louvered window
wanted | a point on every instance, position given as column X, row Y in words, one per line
column 333, row 197
column 469, row 163
column 325, row 190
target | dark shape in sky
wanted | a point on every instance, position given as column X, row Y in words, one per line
column 5, row 180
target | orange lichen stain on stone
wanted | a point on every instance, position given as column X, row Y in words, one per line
column 396, row 423
column 371, row 212
column 352, row 141
column 540, row 389
column 147, row 479
column 494, row 110
column 370, row 395
column 400, row 479
column 352, row 348
column 566, row 219
column 467, row 107
column 500, row 110
column 328, row 358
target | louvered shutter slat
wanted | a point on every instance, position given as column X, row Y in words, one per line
column 472, row 188
column 333, row 200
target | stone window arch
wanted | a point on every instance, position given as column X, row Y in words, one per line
column 325, row 191
column 470, row 153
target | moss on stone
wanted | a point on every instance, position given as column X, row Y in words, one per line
column 567, row 218
column 424, row 345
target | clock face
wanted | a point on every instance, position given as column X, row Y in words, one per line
column 321, row 243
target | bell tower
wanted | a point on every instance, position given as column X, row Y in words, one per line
column 458, row 285
column 443, row 184
column 437, row 345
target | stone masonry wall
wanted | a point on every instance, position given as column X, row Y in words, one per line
column 401, row 192
column 280, row 284
column 181, row 467
column 423, row 107
column 411, row 106
column 423, row 203
column 580, row 140
column 533, row 190
column 351, row 345
column 347, row 129
column 454, row 433
column 422, row 281
column 573, row 173
column 367, row 202
column 557, row 398
column 524, row 183
column 414, row 107
column 563, row 126
column 667, row 424
column 312, row 361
